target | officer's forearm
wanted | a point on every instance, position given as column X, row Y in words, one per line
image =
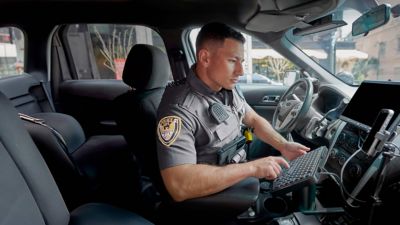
column 197, row 180
column 264, row 131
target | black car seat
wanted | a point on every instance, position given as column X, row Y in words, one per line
column 97, row 168
column 147, row 71
column 29, row 194
column 94, row 168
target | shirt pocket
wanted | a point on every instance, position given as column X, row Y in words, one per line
column 227, row 128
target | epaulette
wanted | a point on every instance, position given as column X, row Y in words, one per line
column 176, row 83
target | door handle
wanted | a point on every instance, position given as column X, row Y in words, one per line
column 270, row 98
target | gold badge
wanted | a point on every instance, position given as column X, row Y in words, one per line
column 168, row 129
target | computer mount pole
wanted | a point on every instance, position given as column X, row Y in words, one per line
column 376, row 200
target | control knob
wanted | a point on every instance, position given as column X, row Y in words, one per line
column 341, row 159
column 355, row 170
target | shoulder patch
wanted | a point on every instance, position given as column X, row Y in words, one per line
column 168, row 129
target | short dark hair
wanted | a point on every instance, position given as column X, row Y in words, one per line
column 217, row 31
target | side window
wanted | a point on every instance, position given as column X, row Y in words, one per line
column 262, row 65
column 12, row 44
column 99, row 51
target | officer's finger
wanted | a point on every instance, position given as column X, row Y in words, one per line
column 303, row 148
column 281, row 161
column 274, row 172
column 302, row 152
column 277, row 168
column 270, row 172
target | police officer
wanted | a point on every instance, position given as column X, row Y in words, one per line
column 200, row 115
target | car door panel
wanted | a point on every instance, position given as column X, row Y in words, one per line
column 263, row 98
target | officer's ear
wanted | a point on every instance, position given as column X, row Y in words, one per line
column 203, row 57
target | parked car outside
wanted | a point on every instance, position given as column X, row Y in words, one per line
column 257, row 78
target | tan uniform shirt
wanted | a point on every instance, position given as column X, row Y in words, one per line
column 187, row 133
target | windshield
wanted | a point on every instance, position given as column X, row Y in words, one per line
column 375, row 56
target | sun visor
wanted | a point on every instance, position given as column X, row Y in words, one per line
column 279, row 15
column 266, row 22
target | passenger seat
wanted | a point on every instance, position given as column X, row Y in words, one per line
column 147, row 71
column 28, row 192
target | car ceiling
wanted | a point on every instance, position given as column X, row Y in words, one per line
column 254, row 15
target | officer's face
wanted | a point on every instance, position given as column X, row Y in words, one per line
column 225, row 65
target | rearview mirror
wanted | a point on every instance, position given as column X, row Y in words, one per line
column 372, row 19
column 395, row 10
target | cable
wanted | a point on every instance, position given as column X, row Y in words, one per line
column 360, row 139
column 341, row 180
column 390, row 154
column 336, row 179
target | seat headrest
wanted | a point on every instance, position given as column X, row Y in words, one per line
column 146, row 67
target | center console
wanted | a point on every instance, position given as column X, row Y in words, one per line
column 358, row 181
column 348, row 142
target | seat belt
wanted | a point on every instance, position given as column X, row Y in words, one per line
column 41, row 122
column 59, row 52
column 180, row 69
column 48, row 95
column 59, row 69
column 57, row 134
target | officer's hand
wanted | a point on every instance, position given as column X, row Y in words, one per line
column 269, row 167
column 293, row 150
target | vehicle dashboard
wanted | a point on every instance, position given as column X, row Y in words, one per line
column 327, row 99
column 348, row 163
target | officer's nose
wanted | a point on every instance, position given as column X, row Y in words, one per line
column 239, row 69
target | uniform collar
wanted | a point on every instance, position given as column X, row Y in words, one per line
column 199, row 86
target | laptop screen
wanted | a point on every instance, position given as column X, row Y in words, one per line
column 369, row 99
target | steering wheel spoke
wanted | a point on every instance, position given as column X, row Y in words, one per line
column 291, row 107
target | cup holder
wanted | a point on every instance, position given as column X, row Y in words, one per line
column 275, row 205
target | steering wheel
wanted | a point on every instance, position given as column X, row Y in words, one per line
column 291, row 108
